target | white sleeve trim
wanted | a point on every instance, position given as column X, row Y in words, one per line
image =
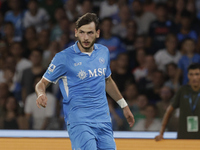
column 108, row 76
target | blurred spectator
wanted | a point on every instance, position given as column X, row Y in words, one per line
column 1, row 24
column 171, row 69
column 3, row 49
column 43, row 40
column 150, row 123
column 157, row 82
column 14, row 87
column 130, row 36
column 30, row 41
column 149, row 6
column 146, row 82
column 86, row 6
column 166, row 94
column 130, row 94
column 11, row 118
column 159, row 28
column 16, row 50
column 3, row 96
column 142, row 18
column 41, row 117
column 179, row 7
column 140, row 71
column 30, row 73
column 108, row 8
column 15, row 15
column 168, row 54
column 62, row 27
column 120, row 29
column 65, row 41
column 9, row 34
column 122, row 75
column 188, row 58
column 59, row 15
column 36, row 16
column 50, row 6
column 72, row 9
column 53, row 48
column 113, row 43
column 185, row 30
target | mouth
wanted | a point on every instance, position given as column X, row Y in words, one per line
column 86, row 43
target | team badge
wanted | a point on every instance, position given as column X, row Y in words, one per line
column 101, row 60
column 82, row 74
column 51, row 67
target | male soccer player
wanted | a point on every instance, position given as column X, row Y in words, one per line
column 188, row 100
column 84, row 77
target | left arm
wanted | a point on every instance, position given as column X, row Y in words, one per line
column 113, row 91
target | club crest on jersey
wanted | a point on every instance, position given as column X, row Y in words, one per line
column 101, row 60
column 51, row 67
column 82, row 74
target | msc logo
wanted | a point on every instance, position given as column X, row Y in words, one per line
column 92, row 73
column 51, row 67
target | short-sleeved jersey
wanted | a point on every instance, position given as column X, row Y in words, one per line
column 82, row 82
column 181, row 100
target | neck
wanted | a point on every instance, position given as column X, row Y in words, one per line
column 172, row 52
column 106, row 35
column 190, row 55
column 85, row 50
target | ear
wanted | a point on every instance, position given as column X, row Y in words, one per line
column 76, row 32
column 98, row 33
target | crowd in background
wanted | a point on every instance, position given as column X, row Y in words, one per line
column 151, row 44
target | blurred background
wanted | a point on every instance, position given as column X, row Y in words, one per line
column 151, row 44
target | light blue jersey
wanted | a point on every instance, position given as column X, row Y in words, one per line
column 82, row 82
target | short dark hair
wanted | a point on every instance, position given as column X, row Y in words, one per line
column 87, row 19
column 37, row 50
column 194, row 66
column 161, row 5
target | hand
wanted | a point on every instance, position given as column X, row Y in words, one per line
column 159, row 137
column 41, row 100
column 129, row 116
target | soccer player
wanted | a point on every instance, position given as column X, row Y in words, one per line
column 84, row 77
column 187, row 99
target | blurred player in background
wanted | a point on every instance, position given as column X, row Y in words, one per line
column 187, row 99
column 84, row 76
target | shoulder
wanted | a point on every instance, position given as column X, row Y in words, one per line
column 101, row 47
column 184, row 88
column 66, row 52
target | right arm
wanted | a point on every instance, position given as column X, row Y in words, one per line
column 40, row 89
column 166, row 118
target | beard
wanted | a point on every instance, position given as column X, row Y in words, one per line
column 87, row 49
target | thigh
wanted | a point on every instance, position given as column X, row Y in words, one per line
column 82, row 137
column 105, row 138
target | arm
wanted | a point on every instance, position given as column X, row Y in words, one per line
column 40, row 89
column 112, row 90
column 166, row 118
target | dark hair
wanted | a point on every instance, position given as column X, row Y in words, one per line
column 171, row 64
column 193, row 66
column 186, row 14
column 37, row 50
column 106, row 19
column 87, row 19
column 161, row 5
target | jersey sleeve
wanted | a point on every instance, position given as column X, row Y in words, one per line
column 108, row 71
column 176, row 99
column 56, row 69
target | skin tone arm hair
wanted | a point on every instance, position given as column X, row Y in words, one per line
column 113, row 91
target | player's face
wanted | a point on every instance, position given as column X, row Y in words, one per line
column 194, row 77
column 87, row 35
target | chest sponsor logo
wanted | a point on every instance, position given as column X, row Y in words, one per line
column 77, row 64
column 82, row 74
column 51, row 67
column 92, row 73
column 101, row 60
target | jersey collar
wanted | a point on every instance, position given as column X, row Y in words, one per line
column 77, row 50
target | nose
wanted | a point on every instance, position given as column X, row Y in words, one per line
column 85, row 36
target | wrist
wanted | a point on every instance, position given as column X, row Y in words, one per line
column 122, row 103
